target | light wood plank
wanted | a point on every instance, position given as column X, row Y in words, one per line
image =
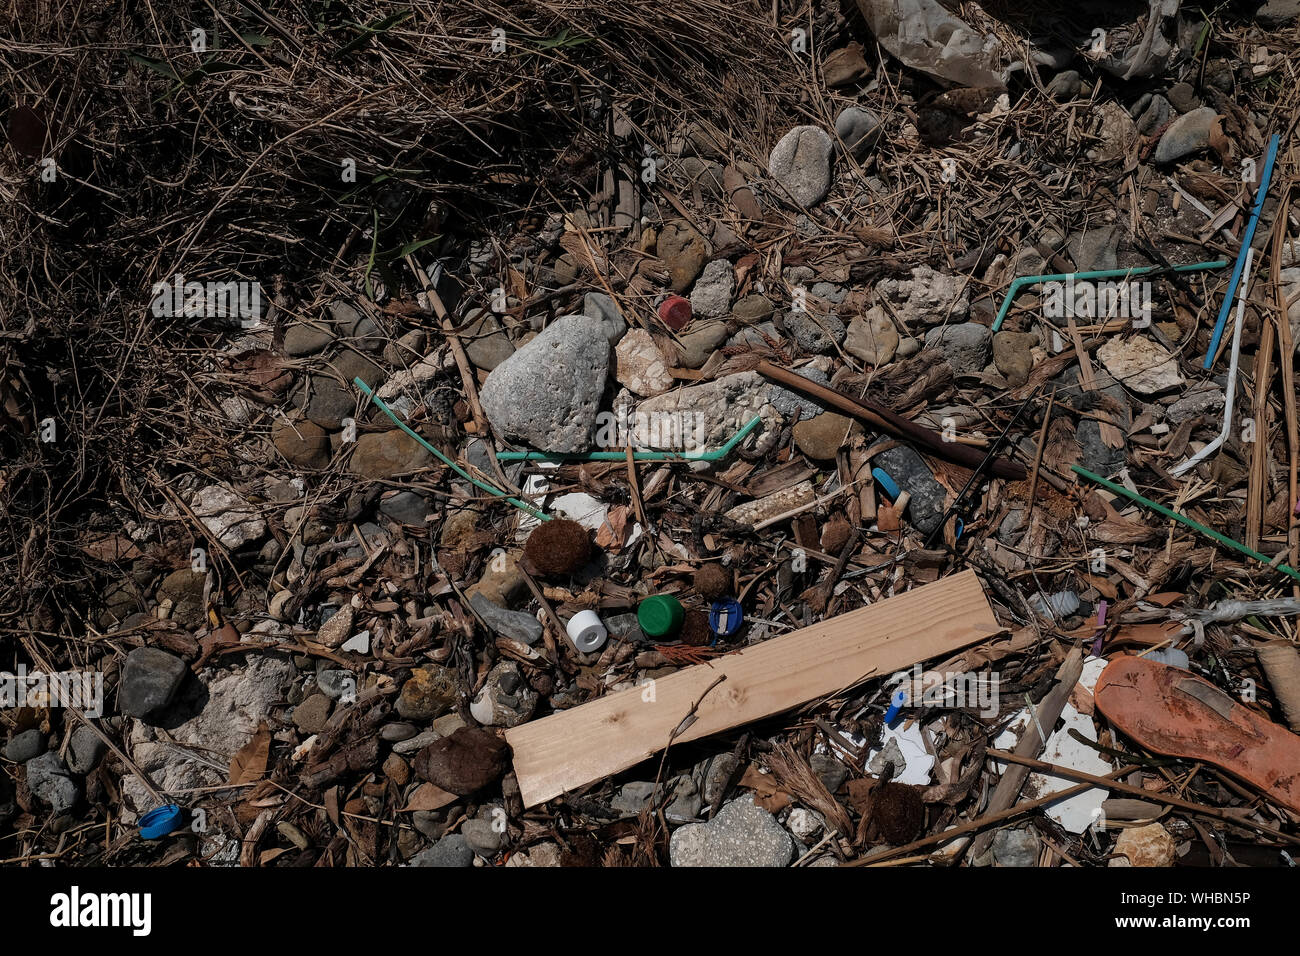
column 576, row 747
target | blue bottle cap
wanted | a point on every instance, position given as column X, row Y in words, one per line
column 160, row 821
column 887, row 484
column 725, row 617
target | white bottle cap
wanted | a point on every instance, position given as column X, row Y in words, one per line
column 586, row 631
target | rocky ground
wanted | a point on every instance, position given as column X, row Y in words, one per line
column 313, row 628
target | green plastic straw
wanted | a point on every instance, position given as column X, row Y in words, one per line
column 1183, row 519
column 1018, row 284
column 496, row 492
column 722, row 452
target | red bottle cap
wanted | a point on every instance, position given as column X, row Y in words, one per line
column 675, row 312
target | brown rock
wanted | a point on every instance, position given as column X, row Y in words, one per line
column 396, row 770
column 428, row 693
column 845, row 65
column 464, row 763
column 820, row 437
column 386, row 454
column 1150, row 845
column 302, row 443
column 310, row 716
column 684, row 252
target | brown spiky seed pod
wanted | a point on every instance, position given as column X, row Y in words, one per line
column 712, row 581
column 559, row 546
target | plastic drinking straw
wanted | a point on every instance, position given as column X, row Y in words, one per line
column 1231, row 389
column 722, row 452
column 1018, row 284
column 1246, row 239
column 497, row 492
column 1183, row 519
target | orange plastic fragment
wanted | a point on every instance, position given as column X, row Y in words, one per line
column 1172, row 711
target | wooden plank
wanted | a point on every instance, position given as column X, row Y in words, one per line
column 576, row 747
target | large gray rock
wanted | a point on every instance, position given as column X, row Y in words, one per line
column 548, row 393
column 908, row 470
column 49, row 781
column 513, row 624
column 965, row 346
column 452, row 851
column 597, row 305
column 815, row 334
column 711, row 297
column 742, row 834
column 801, row 162
column 150, row 680
column 1186, row 135
column 85, row 750
column 24, row 746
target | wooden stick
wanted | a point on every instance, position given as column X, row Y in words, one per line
column 892, row 424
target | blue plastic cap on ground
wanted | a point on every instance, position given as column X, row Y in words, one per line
column 888, row 484
column 159, row 822
column 725, row 617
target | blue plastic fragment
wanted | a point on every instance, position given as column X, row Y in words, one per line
column 888, row 484
column 895, row 705
column 959, row 529
column 725, row 617
column 159, row 822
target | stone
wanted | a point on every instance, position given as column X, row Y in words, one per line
column 752, row 309
column 1155, row 116
column 684, row 252
column 1150, row 845
column 502, row 580
column 416, row 743
column 486, row 343
column 639, row 365
column 1018, row 847
column 85, row 750
column 632, row 797
column 821, row 437
column 685, row 804
column 908, row 346
column 756, row 336
column 711, row 296
column 927, row 298
column 357, row 644
column 721, row 408
column 543, row 854
column 909, row 472
column 699, row 341
column 310, row 716
column 229, row 518
column 482, row 837
column 815, row 334
column 1183, row 97
column 1094, row 454
column 597, row 305
column 1094, row 249
column 515, row 625
column 859, row 130
column 1140, row 364
column 448, row 724
column 845, row 66
column 742, row 834
column 801, row 162
column 238, row 699
column 1115, row 131
column 1064, row 86
column 407, row 350
column 395, row 732
column 429, row 692
column 307, row 338
column 387, row 454
column 459, row 529
column 49, row 781
column 302, row 443
column 506, row 698
column 464, row 762
column 184, row 588
column 872, row 337
column 451, row 851
column 1188, row 134
column 1208, row 399
column 718, row 775
column 805, row 824
column 405, row 507
column 329, row 396
column 397, row 770
column 22, row 747
column 1011, row 354
column 1278, row 13
column 334, row 682
column 337, row 628
column 829, row 771
column 965, row 346
column 149, row 682
column 548, row 393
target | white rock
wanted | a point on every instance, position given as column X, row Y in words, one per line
column 640, row 366
column 230, row 519
column 1140, row 364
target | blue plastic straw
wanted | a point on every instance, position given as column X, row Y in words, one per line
column 1246, row 240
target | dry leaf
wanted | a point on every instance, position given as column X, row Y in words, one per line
column 111, row 547
column 250, row 762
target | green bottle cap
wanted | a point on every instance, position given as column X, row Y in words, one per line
column 660, row 615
